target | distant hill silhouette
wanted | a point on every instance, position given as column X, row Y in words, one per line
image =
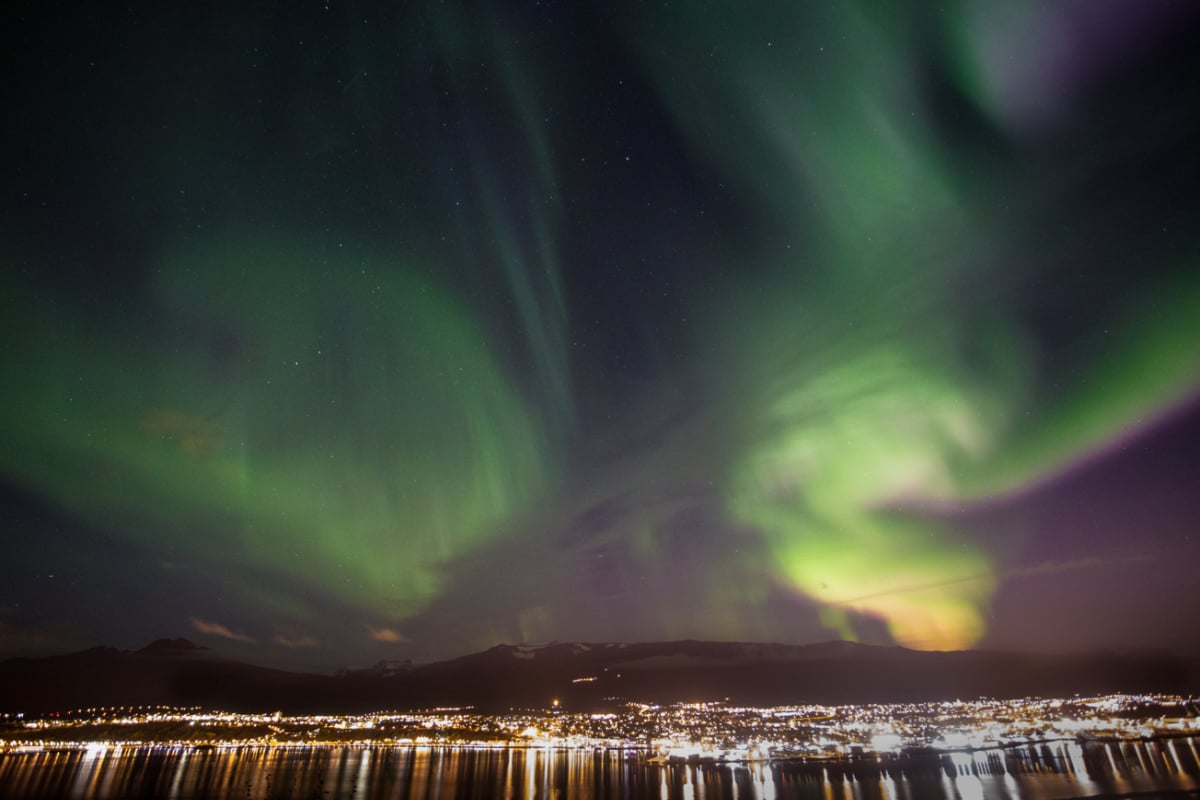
column 169, row 648
column 581, row 676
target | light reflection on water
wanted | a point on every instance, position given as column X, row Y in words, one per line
column 1037, row 772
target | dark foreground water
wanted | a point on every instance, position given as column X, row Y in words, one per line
column 1164, row 768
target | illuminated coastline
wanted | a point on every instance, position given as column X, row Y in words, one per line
column 707, row 731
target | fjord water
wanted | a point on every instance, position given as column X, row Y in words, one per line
column 1166, row 768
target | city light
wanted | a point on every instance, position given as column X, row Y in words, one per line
column 654, row 733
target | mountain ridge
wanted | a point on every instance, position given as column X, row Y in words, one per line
column 580, row 676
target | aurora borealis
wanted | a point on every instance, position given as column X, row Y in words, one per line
column 340, row 331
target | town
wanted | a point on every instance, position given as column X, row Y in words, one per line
column 704, row 731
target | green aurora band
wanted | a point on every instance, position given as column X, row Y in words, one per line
column 348, row 423
column 873, row 383
column 254, row 418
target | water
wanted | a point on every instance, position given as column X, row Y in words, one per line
column 1164, row 768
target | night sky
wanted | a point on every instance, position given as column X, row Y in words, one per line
column 334, row 332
